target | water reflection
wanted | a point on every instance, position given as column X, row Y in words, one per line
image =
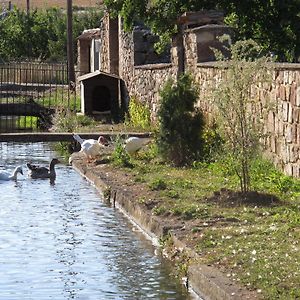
column 58, row 241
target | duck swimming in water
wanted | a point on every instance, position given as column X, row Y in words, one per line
column 5, row 175
column 43, row 172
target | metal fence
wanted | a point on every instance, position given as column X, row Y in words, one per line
column 31, row 92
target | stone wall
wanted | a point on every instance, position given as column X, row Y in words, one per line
column 282, row 125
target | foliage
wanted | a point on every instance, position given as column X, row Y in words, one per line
column 212, row 142
column 138, row 115
column 42, row 33
column 237, row 107
column 180, row 123
column 65, row 120
column 119, row 156
column 157, row 184
column 274, row 180
column 275, row 25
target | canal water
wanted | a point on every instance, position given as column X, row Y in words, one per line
column 61, row 241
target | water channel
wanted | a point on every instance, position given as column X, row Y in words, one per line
column 61, row 241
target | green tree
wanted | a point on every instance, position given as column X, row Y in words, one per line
column 42, row 33
column 274, row 24
column 240, row 114
column 179, row 137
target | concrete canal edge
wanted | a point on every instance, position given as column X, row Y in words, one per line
column 205, row 281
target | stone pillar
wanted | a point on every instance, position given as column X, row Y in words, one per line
column 83, row 56
column 113, row 37
column 178, row 52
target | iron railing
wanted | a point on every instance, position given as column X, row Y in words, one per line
column 30, row 93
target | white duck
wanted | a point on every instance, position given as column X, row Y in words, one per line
column 5, row 175
column 134, row 144
column 43, row 172
column 90, row 147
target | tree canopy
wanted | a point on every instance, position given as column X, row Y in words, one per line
column 42, row 34
column 274, row 24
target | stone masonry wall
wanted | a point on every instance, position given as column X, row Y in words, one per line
column 282, row 125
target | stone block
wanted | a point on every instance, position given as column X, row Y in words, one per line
column 290, row 114
column 292, row 94
column 282, row 93
column 288, row 169
column 285, row 77
column 298, row 95
column 296, row 170
column 273, row 144
column 293, row 153
column 296, row 115
column 289, row 134
column 285, row 111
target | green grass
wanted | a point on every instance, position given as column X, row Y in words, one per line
column 28, row 122
column 256, row 243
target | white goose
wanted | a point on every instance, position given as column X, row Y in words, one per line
column 90, row 147
column 134, row 144
column 5, row 175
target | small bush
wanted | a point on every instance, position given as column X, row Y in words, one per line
column 239, row 113
column 120, row 156
column 138, row 115
column 158, row 185
column 212, row 143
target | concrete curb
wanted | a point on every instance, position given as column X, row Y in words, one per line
column 205, row 281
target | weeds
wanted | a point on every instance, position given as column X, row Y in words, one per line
column 157, row 184
column 65, row 120
column 138, row 115
column 119, row 156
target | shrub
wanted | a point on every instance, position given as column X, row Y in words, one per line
column 158, row 184
column 180, row 123
column 239, row 112
column 120, row 156
column 138, row 115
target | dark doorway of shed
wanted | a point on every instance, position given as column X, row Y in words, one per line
column 101, row 101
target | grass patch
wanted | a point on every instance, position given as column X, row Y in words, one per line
column 254, row 238
column 27, row 122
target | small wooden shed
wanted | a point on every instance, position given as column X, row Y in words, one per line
column 100, row 94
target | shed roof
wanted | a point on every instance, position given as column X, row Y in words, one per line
column 97, row 73
column 90, row 34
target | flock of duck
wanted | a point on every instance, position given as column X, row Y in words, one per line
column 91, row 148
